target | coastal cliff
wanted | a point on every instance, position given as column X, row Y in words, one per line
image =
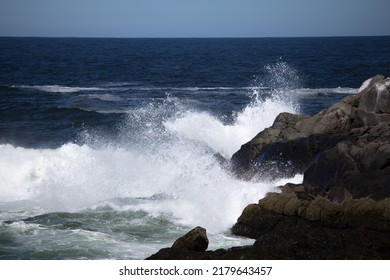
column 342, row 208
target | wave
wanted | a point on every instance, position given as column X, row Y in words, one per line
column 227, row 138
column 201, row 88
column 73, row 177
column 169, row 157
column 116, row 87
column 325, row 91
column 136, row 87
column 72, row 89
column 61, row 89
column 163, row 158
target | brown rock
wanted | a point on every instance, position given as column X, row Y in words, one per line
column 194, row 240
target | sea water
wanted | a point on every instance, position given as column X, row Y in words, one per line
column 107, row 146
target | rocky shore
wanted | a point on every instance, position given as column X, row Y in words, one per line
column 342, row 208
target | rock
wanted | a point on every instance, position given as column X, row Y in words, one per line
column 193, row 245
column 262, row 217
column 235, row 253
column 359, row 165
column 178, row 254
column 189, row 246
column 297, row 238
column 254, row 221
column 287, row 158
column 286, row 226
column 292, row 143
column 375, row 97
column 194, row 240
column 282, row 129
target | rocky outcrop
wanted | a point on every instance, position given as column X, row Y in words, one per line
column 344, row 148
column 294, row 225
column 293, row 143
column 257, row 219
column 342, row 208
column 287, row 226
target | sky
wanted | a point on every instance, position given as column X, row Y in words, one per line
column 194, row 18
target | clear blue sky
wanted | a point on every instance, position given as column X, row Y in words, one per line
column 194, row 18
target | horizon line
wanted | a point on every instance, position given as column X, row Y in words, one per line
column 192, row 37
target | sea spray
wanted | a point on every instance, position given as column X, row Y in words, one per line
column 270, row 96
column 164, row 147
column 157, row 178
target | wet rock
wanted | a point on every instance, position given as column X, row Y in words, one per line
column 246, row 159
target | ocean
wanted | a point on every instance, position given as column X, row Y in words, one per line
column 107, row 146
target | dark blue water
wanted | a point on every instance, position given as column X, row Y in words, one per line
column 138, row 70
column 107, row 145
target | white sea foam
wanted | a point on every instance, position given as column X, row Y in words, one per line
column 73, row 177
column 62, row 89
column 74, row 89
column 365, row 85
column 227, row 139
column 309, row 91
